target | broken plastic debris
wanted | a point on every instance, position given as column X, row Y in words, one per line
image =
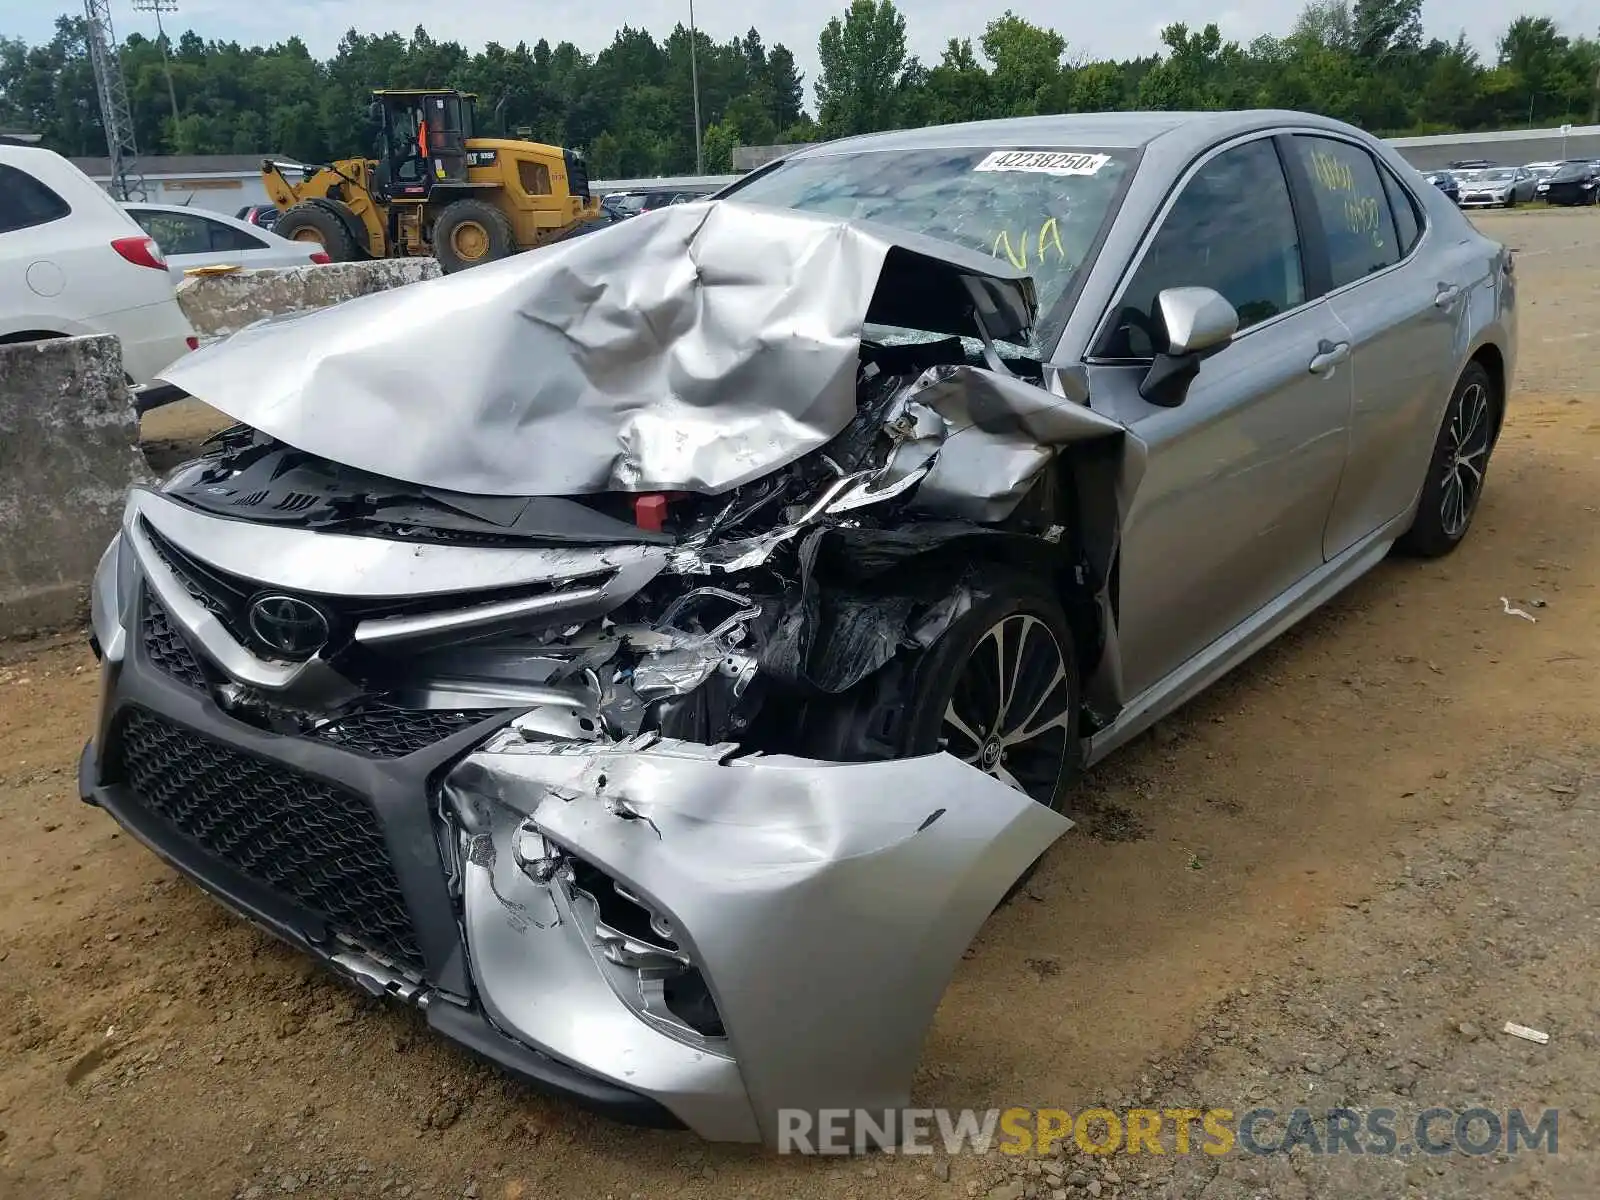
column 1526, row 1034
column 1516, row 612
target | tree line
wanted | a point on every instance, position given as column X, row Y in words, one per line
column 629, row 107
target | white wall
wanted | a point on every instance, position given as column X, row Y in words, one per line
column 242, row 190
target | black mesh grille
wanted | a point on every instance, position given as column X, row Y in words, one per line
column 316, row 844
column 393, row 732
column 166, row 647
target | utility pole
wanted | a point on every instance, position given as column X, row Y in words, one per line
column 158, row 7
column 694, row 83
column 127, row 183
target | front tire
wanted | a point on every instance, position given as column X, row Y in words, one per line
column 1000, row 692
column 470, row 233
column 319, row 224
column 1024, row 733
column 1457, row 467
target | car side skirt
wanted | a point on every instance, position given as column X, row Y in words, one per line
column 1249, row 636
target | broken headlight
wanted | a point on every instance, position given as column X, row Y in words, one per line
column 635, row 945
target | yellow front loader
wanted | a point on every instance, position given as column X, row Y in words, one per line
column 434, row 188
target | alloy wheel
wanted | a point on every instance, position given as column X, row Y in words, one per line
column 1009, row 712
column 1466, row 455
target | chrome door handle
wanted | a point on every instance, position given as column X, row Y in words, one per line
column 1446, row 295
column 1329, row 355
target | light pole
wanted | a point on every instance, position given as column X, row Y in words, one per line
column 158, row 7
column 694, row 84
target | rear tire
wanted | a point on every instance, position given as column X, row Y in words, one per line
column 1457, row 467
column 469, row 233
column 313, row 222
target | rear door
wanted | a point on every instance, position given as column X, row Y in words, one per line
column 1241, row 476
column 1406, row 311
column 34, row 241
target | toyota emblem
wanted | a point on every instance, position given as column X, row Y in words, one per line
column 288, row 626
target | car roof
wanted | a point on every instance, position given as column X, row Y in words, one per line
column 182, row 208
column 1104, row 131
column 58, row 173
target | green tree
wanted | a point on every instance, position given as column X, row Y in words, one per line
column 1533, row 50
column 1027, row 64
column 864, row 67
column 786, row 86
column 630, row 104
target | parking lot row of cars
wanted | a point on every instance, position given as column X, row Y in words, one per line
column 74, row 261
column 621, row 205
column 1478, row 183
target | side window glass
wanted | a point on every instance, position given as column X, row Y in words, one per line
column 1407, row 220
column 173, row 232
column 226, row 237
column 1232, row 228
column 25, row 202
column 1353, row 205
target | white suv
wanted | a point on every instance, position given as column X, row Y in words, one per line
column 73, row 262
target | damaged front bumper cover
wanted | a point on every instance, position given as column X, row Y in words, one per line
column 664, row 930
column 825, row 905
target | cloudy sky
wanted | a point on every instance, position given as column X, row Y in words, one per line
column 1091, row 27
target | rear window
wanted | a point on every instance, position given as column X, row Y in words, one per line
column 25, row 202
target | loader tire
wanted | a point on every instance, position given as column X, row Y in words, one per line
column 320, row 223
column 469, row 233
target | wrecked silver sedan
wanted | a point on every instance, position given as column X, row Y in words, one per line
column 656, row 656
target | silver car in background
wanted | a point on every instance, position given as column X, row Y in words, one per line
column 194, row 240
column 666, row 712
column 1497, row 187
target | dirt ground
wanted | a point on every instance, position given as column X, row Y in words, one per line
column 1331, row 879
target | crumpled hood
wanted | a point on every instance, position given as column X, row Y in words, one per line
column 694, row 348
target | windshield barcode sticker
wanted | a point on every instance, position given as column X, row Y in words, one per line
column 1044, row 162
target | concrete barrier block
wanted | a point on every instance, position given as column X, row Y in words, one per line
column 69, row 448
column 217, row 305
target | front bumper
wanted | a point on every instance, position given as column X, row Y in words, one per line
column 435, row 980
column 825, row 905
column 1570, row 195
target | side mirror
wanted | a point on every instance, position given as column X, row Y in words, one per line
column 1198, row 322
column 1196, row 319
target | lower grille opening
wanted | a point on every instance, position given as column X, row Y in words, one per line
column 313, row 843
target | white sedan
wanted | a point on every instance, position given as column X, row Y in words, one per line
column 72, row 262
column 190, row 238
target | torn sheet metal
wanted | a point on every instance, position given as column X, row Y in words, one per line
column 989, row 436
column 690, row 349
column 781, row 877
column 538, row 979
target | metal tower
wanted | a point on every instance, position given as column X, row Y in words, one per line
column 126, row 181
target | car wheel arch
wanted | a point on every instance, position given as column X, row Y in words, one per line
column 1492, row 359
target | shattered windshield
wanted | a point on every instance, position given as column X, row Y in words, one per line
column 1039, row 209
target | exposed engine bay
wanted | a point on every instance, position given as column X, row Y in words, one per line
column 781, row 591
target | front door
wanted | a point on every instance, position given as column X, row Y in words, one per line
column 1241, row 476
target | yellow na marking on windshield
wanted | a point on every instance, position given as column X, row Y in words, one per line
column 1016, row 253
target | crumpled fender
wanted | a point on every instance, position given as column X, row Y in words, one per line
column 827, row 904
